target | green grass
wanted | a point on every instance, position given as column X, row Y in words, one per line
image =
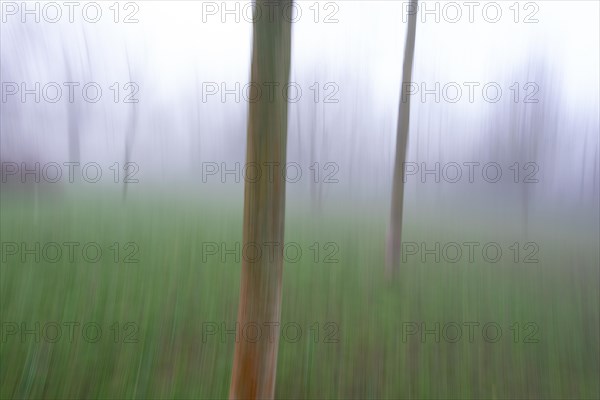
column 170, row 293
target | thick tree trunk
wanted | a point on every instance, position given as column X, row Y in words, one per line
column 255, row 361
column 395, row 228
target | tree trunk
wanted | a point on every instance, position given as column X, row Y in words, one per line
column 72, row 118
column 129, row 137
column 395, row 228
column 255, row 361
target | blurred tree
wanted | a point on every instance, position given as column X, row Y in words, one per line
column 129, row 136
column 395, row 226
column 318, row 129
column 526, row 130
column 255, row 363
column 73, row 111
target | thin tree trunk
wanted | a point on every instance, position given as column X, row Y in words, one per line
column 255, row 361
column 72, row 118
column 74, row 153
column 313, row 159
column 129, row 137
column 395, row 228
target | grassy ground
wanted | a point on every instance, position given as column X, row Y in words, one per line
column 352, row 319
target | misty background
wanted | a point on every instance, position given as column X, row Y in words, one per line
column 176, row 53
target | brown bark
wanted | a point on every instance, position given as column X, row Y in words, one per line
column 395, row 229
column 255, row 362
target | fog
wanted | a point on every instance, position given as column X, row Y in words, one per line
column 189, row 63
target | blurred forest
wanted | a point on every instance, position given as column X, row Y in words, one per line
column 153, row 101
